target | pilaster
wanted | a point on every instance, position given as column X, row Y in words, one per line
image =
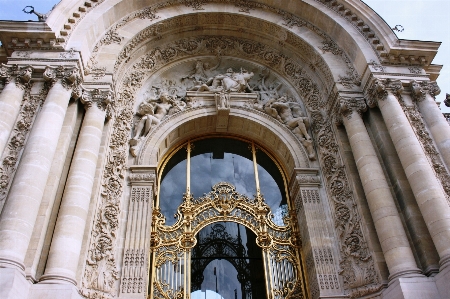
column 317, row 241
column 137, row 238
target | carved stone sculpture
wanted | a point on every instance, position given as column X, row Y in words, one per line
column 290, row 113
column 228, row 82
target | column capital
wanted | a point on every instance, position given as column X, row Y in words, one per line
column 22, row 76
column 101, row 98
column 349, row 105
column 142, row 175
column 306, row 177
column 69, row 76
column 380, row 89
column 420, row 89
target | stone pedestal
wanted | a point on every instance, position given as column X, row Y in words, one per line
column 13, row 284
column 54, row 291
column 412, row 288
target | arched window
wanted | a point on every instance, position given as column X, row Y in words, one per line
column 222, row 204
column 218, row 159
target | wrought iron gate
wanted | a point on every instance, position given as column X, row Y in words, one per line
column 171, row 246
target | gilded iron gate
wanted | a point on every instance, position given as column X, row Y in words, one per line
column 171, row 245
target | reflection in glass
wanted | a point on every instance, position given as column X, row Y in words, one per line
column 173, row 185
column 227, row 260
column 217, row 160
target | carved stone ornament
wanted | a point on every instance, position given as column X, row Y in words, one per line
column 142, row 177
column 420, row 89
column 418, row 125
column 308, row 179
column 27, row 114
column 380, row 88
column 447, row 100
column 22, row 76
column 101, row 98
column 69, row 76
column 349, row 105
column 357, row 267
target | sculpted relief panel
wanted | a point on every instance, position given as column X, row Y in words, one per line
column 223, row 82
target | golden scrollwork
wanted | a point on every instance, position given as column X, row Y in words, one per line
column 171, row 245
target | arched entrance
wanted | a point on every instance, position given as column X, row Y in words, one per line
column 228, row 244
column 172, row 246
column 181, row 250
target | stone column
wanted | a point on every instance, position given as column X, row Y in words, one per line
column 67, row 238
column 424, row 94
column 428, row 192
column 17, row 80
column 391, row 233
column 137, row 243
column 317, row 240
column 22, row 204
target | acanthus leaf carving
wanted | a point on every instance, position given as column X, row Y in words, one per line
column 21, row 76
column 349, row 105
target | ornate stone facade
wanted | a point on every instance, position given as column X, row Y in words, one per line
column 102, row 93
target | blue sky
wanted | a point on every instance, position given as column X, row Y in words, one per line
column 421, row 19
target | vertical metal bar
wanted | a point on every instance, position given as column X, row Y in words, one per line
column 268, row 270
column 188, row 168
column 255, row 167
column 185, row 276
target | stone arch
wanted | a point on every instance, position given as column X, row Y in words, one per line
column 259, row 127
column 353, row 26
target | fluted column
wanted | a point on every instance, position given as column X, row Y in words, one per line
column 424, row 94
column 391, row 233
column 68, row 235
column 21, row 208
column 17, row 80
column 428, row 193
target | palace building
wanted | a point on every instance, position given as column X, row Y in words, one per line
column 187, row 149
